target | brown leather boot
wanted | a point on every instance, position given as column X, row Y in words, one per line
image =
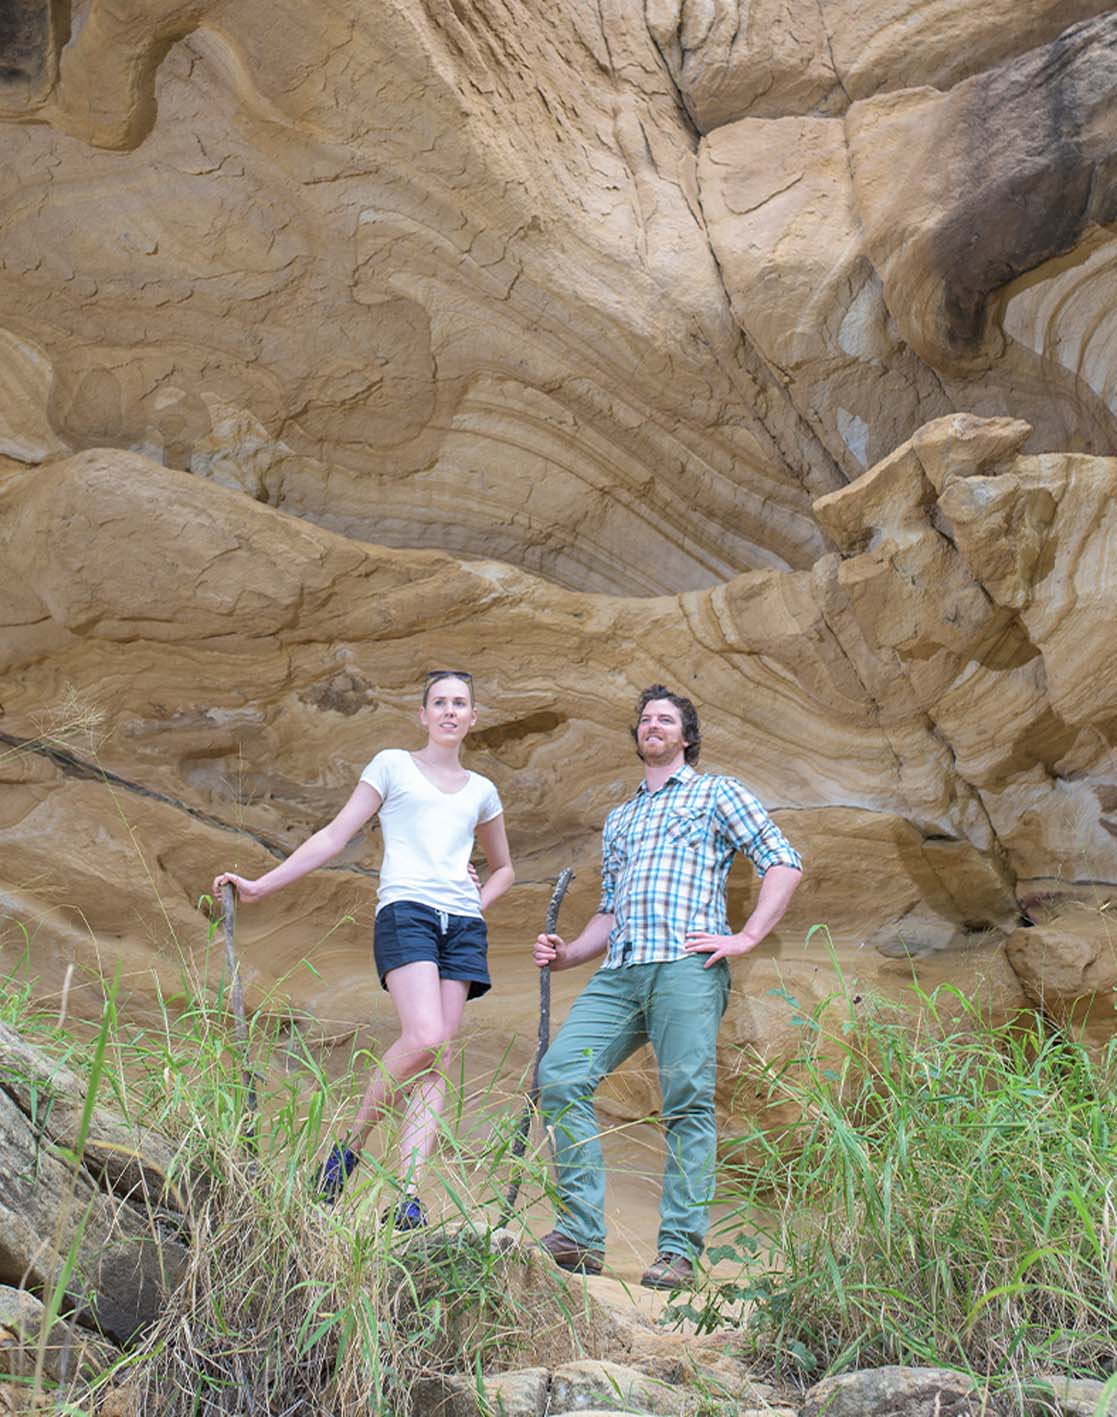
column 669, row 1271
column 568, row 1254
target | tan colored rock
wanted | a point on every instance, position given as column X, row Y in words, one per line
column 951, row 234
column 69, row 1353
column 467, row 287
column 522, row 1393
column 885, row 264
column 426, row 297
column 760, row 60
column 782, row 219
column 1067, row 963
column 25, row 375
column 893, row 707
column 519, row 1394
column 1052, row 312
column 767, row 60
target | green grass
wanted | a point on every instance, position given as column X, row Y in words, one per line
column 945, row 1196
column 948, row 1196
column 288, row 1305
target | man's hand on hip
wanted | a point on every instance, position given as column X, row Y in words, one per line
column 717, row 946
column 776, row 889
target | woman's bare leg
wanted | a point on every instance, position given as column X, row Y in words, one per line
column 424, row 1105
column 417, row 996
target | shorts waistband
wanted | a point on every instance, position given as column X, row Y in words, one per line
column 444, row 917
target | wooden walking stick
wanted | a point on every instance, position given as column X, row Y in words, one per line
column 240, row 1026
column 520, row 1144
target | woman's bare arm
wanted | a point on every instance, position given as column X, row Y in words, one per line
column 323, row 846
column 494, row 843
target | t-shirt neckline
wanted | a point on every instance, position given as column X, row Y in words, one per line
column 457, row 792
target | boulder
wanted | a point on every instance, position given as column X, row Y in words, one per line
column 69, row 1353
column 1068, row 967
column 53, row 1208
column 1069, row 1397
column 896, row 1392
column 599, row 1385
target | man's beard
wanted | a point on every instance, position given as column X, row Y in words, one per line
column 663, row 754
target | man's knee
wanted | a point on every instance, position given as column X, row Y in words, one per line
column 550, row 1082
column 687, row 1094
column 560, row 1085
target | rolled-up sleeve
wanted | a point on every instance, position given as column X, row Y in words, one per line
column 750, row 829
column 608, row 867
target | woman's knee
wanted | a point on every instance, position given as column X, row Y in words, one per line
column 429, row 1038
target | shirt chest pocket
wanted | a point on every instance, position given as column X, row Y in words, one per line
column 686, row 825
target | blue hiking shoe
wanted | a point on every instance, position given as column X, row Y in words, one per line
column 330, row 1179
column 410, row 1214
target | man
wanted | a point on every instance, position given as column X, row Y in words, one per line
column 663, row 929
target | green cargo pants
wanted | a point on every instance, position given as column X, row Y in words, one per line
column 676, row 1006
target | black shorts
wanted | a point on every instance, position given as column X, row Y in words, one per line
column 458, row 944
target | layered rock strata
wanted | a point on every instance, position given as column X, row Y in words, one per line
column 597, row 346
column 427, row 279
column 609, row 296
column 928, row 713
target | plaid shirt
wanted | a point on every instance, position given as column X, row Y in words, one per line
column 666, row 858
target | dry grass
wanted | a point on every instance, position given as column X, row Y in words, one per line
column 290, row 1306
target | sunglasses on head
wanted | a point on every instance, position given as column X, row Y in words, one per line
column 450, row 674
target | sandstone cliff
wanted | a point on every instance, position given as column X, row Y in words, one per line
column 590, row 347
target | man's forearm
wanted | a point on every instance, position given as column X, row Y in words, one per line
column 593, row 941
column 776, row 889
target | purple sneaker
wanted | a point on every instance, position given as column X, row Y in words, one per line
column 330, row 1179
column 410, row 1214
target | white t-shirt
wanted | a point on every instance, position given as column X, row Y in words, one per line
column 428, row 834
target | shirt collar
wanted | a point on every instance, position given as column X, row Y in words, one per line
column 683, row 774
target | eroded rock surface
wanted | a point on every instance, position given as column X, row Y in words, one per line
column 940, row 243
column 99, row 1208
column 593, row 345
column 462, row 280
column 427, row 278
column 930, row 724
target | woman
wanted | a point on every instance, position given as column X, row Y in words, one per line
column 430, row 942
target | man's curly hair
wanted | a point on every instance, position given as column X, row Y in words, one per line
column 692, row 733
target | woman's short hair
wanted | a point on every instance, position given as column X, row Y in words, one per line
column 692, row 733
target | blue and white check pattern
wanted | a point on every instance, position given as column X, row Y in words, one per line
column 666, row 858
